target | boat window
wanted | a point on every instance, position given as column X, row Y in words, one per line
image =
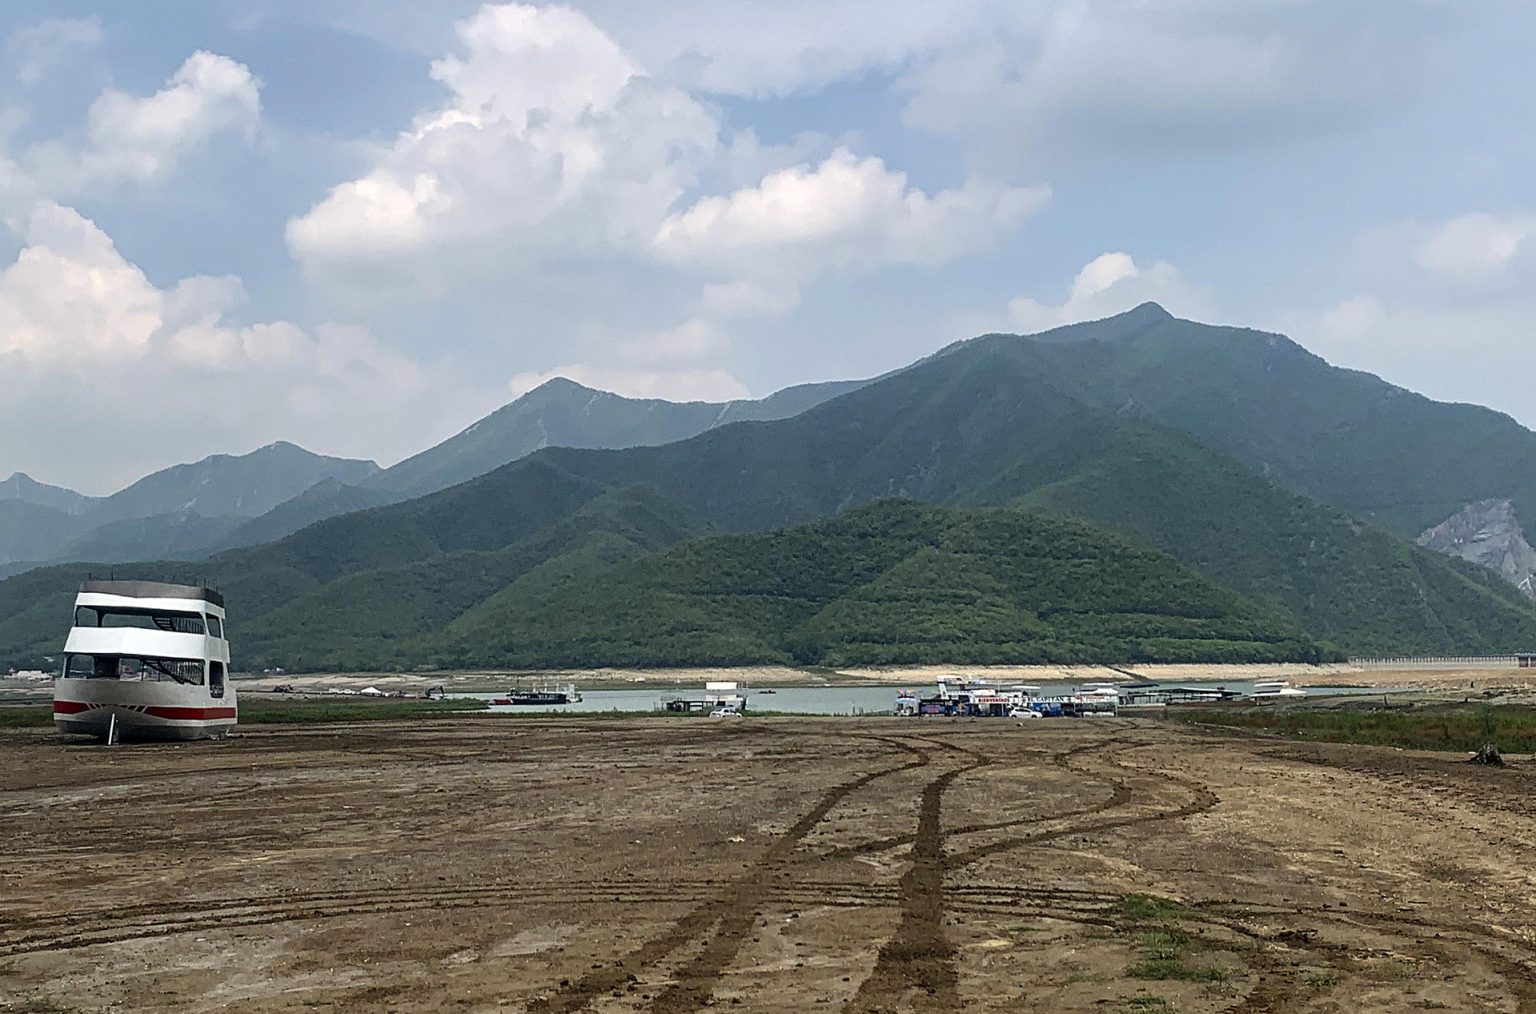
column 215, row 679
column 143, row 619
column 82, row 667
column 186, row 671
column 215, row 627
column 85, row 616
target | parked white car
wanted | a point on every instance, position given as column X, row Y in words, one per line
column 725, row 713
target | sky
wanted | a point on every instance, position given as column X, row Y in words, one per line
column 359, row 225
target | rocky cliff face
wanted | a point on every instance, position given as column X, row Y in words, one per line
column 1487, row 533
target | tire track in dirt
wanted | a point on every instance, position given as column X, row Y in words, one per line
column 733, row 909
column 1120, row 794
column 186, row 921
column 1201, row 800
column 1272, row 995
column 917, row 965
column 117, row 925
column 695, row 981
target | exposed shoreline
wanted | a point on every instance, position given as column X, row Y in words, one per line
column 1299, row 674
column 1505, row 679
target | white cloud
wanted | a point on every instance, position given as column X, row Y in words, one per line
column 845, row 212
column 1446, row 308
column 1180, row 75
column 97, row 357
column 753, row 48
column 761, row 295
column 845, row 209
column 557, row 145
column 1352, row 319
column 70, row 298
column 140, row 138
column 553, row 139
column 1475, row 244
column 41, row 48
column 688, row 342
column 1465, row 352
column 1111, row 283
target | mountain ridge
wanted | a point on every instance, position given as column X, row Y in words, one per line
column 186, row 508
column 994, row 423
column 524, row 424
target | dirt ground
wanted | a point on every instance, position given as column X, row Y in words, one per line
column 761, row 864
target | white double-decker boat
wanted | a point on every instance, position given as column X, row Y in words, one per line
column 1266, row 690
column 150, row 656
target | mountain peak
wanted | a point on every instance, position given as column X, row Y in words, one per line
column 21, row 486
column 1148, row 311
column 280, row 447
column 561, row 385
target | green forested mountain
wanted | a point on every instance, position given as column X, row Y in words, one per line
column 893, row 581
column 1350, row 439
column 993, row 422
column 378, row 618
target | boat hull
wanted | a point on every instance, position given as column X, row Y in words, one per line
column 166, row 711
column 532, row 700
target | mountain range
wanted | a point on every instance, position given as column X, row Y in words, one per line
column 181, row 510
column 1295, row 486
column 225, row 501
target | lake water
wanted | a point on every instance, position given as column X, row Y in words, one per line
column 816, row 700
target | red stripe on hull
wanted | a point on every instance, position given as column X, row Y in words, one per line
column 153, row 710
column 192, row 714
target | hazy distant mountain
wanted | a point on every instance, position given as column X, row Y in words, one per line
column 32, row 531
column 325, row 499
column 228, row 501
column 227, row 485
column 181, row 512
column 559, row 412
column 184, row 535
column 24, row 488
column 563, row 413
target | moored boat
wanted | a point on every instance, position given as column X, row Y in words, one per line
column 147, row 658
column 539, row 697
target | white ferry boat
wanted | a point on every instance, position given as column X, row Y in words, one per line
column 1268, row 689
column 152, row 656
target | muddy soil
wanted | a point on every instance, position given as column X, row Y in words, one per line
column 762, row 864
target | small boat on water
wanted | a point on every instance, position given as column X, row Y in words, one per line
column 145, row 660
column 1264, row 690
column 539, row 697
